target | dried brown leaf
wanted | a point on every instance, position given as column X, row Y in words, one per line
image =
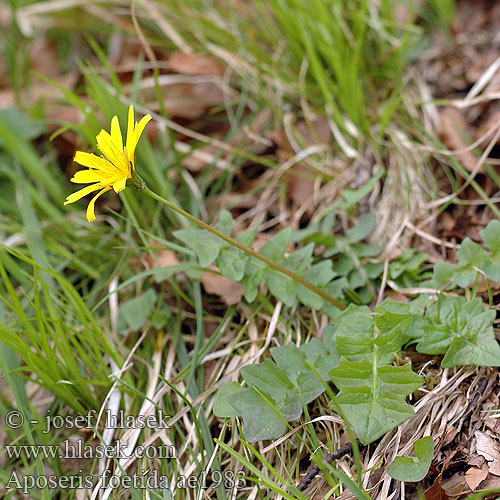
column 163, row 258
column 436, row 491
column 229, row 290
column 474, row 476
column 452, row 129
column 195, row 64
column 300, row 182
column 190, row 101
column 488, row 448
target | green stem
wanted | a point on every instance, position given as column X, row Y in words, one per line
column 246, row 249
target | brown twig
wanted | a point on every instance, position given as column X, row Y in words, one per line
column 335, row 455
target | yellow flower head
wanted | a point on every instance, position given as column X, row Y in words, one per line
column 113, row 167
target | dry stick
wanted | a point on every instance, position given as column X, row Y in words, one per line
column 246, row 249
column 335, row 455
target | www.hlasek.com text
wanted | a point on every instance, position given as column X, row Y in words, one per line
column 75, row 450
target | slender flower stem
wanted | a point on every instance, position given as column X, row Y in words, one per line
column 247, row 250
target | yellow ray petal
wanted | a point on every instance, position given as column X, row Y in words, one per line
column 90, row 208
column 87, row 176
column 90, row 160
column 116, row 134
column 120, row 184
column 111, row 152
column 130, row 127
column 135, row 136
column 83, row 192
column 140, row 127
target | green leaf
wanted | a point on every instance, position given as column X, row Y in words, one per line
column 255, row 274
column 357, row 339
column 135, row 311
column 372, row 397
column 222, row 408
column 276, row 246
column 256, row 271
column 491, row 267
column 268, row 378
column 319, row 274
column 283, row 287
column 413, row 469
column 362, row 229
column 363, row 250
column 443, row 271
column 259, row 419
column 491, row 236
column 462, row 331
column 352, row 197
column 206, row 245
column 295, row 361
column 469, row 255
column 287, row 384
column 232, row 263
column 225, row 223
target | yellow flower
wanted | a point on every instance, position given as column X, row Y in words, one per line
column 113, row 167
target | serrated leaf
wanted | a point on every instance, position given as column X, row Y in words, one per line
column 413, row 469
column 221, row 407
column 206, row 245
column 373, row 397
column 357, row 339
column 462, row 331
